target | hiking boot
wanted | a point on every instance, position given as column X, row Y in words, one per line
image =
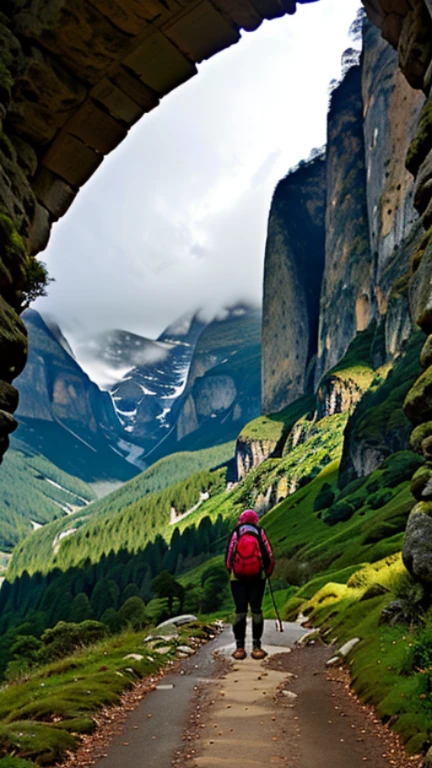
column 239, row 654
column 258, row 654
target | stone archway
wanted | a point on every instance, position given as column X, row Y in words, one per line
column 76, row 75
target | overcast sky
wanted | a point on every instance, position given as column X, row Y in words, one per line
column 175, row 218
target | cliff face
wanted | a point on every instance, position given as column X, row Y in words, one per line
column 347, row 280
column 391, row 113
column 223, row 389
column 294, row 261
column 363, row 223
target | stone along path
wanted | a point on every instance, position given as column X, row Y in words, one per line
column 216, row 713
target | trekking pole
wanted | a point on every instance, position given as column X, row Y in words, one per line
column 279, row 625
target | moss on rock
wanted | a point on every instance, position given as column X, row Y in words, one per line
column 421, row 484
column 422, row 141
column 418, row 402
column 419, row 434
column 22, row 277
column 13, row 343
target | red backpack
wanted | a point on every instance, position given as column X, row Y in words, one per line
column 247, row 556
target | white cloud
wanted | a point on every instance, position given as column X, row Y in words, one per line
column 176, row 217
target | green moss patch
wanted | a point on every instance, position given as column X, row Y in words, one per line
column 277, row 425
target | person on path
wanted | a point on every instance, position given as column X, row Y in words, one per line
column 249, row 559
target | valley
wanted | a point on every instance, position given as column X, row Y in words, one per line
column 134, row 457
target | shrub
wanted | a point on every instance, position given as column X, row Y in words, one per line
column 339, row 512
column 133, row 613
column 380, row 498
column 419, row 658
column 400, row 467
column 324, row 498
column 66, row 638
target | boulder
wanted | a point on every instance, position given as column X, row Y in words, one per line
column 421, row 484
column 418, row 402
column 186, row 650
column 426, row 353
column 419, row 434
column 427, row 763
column 417, row 547
column 347, row 647
column 178, row 621
column 392, row 613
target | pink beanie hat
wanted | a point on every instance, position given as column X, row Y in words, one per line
column 249, row 516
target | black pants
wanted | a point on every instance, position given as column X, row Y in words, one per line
column 247, row 593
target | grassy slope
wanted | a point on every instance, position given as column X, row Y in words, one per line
column 27, row 493
column 274, row 426
column 71, row 690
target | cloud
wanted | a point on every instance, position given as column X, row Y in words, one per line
column 175, row 218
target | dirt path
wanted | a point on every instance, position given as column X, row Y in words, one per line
column 289, row 710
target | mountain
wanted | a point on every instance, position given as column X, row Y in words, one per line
column 62, row 414
column 223, row 389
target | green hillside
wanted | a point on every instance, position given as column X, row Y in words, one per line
column 34, row 492
column 130, row 516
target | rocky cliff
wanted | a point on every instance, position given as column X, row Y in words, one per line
column 294, row 262
column 347, row 283
column 223, row 390
column 368, row 232
column 63, row 414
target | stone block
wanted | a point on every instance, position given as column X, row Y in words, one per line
column 144, row 96
column 130, row 16
column 95, row 128
column 40, row 230
column 241, row 12
column 26, row 156
column 118, row 103
column 417, row 546
column 420, row 291
column 427, row 763
column 72, row 160
column 7, row 423
column 418, row 402
column 44, row 96
column 426, row 353
column 159, row 64
column 270, row 9
column 82, row 38
column 427, row 83
column 13, row 343
column 419, row 434
column 415, row 45
column 426, row 447
column 421, row 484
column 8, row 397
column 401, row 7
column 53, row 192
column 423, row 184
column 392, row 28
column 374, row 12
column 201, row 32
column 427, row 216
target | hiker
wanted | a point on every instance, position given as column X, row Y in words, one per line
column 250, row 560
